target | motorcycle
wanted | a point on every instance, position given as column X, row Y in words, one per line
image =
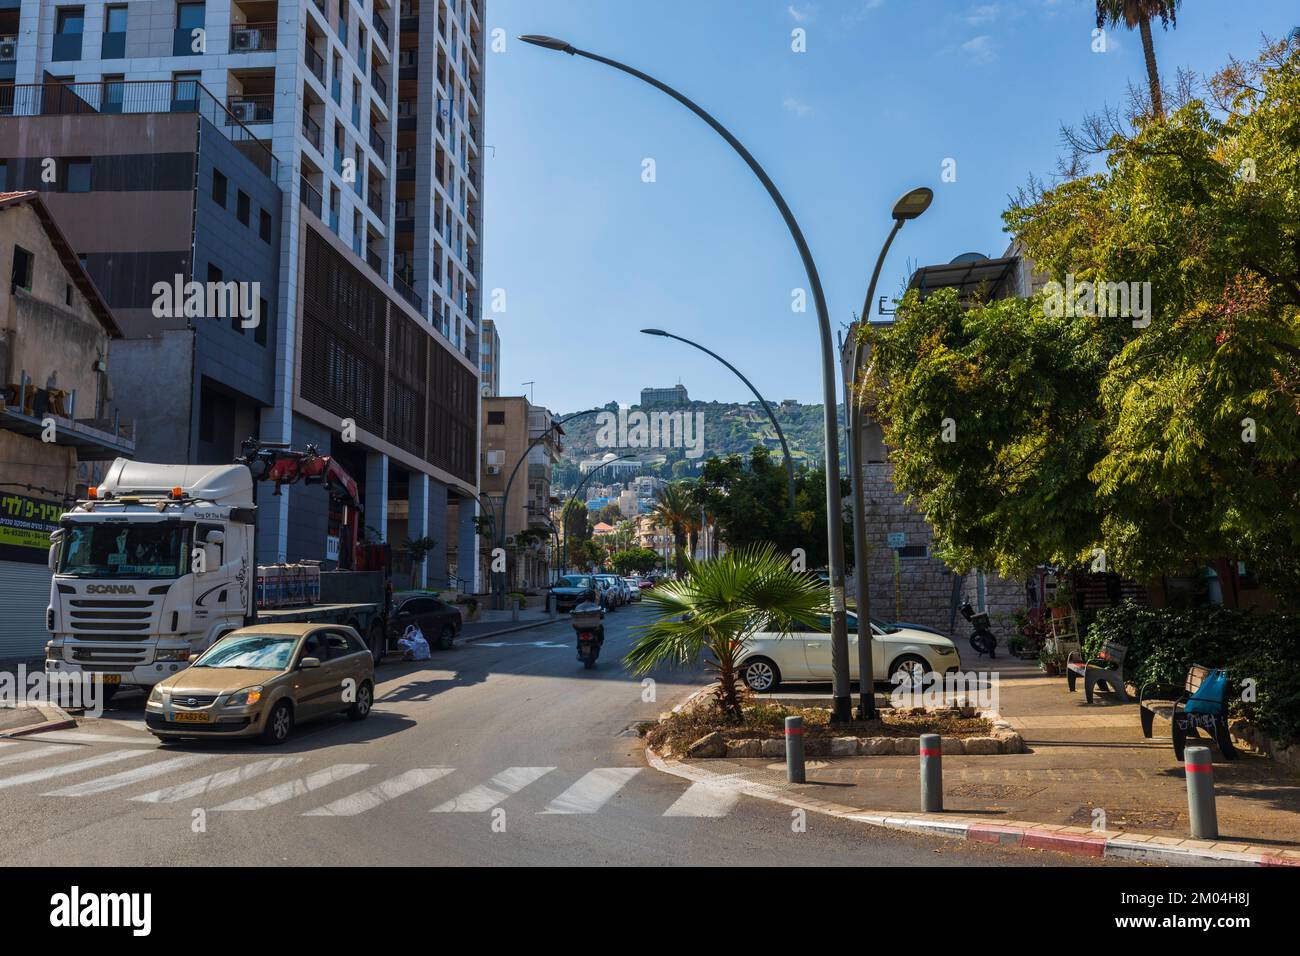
column 588, row 624
column 981, row 639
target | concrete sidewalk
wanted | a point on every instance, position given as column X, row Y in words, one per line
column 1088, row 766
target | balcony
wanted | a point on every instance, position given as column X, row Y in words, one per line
column 375, row 262
column 252, row 109
column 310, row 197
column 320, row 5
column 378, row 83
column 311, row 129
column 409, row 294
column 378, row 144
column 252, row 37
column 314, row 63
column 375, row 201
column 135, row 96
column 381, row 27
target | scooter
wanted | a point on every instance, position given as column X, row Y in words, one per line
column 587, row 621
column 981, row 639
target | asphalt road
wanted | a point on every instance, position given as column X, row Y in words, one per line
column 499, row 752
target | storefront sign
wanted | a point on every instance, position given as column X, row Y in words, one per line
column 25, row 526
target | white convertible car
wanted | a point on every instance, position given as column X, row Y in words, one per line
column 805, row 654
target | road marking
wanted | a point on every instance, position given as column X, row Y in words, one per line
column 372, row 797
column 704, row 799
column 33, row 754
column 593, row 790
column 63, row 770
column 78, row 737
column 548, row 644
column 217, row 781
column 127, row 777
column 300, row 787
column 487, row 795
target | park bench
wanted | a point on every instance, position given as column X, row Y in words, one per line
column 1107, row 669
column 1203, row 704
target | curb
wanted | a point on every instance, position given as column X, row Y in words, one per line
column 1076, row 841
column 56, row 718
column 509, row 630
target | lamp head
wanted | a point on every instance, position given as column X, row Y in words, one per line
column 550, row 43
column 914, row 203
column 653, row 332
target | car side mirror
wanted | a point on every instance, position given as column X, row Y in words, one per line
column 307, row 663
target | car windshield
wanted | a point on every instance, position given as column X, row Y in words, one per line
column 270, row 652
column 575, row 581
column 112, row 550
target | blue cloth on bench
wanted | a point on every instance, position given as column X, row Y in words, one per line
column 1209, row 697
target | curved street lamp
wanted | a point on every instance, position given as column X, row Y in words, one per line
column 564, row 561
column 908, row 207
column 842, row 712
column 789, row 462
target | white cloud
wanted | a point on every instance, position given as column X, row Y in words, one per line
column 980, row 50
column 799, row 14
column 797, row 107
column 864, row 7
column 983, row 13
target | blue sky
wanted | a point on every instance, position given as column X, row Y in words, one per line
column 587, row 253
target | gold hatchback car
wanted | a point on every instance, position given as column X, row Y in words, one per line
column 263, row 680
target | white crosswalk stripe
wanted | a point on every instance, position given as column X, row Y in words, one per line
column 300, row 787
column 217, row 781
column 372, row 797
column 593, row 790
column 703, row 799
column 127, row 777
column 67, row 769
column 486, row 796
column 34, row 753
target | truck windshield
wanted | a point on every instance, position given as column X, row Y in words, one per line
column 122, row 550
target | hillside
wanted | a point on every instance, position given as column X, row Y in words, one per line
column 728, row 429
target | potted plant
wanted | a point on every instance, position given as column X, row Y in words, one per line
column 418, row 549
column 468, row 605
column 1062, row 602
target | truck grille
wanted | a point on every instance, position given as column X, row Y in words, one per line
column 125, row 618
column 107, row 658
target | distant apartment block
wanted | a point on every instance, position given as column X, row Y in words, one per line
column 664, row 396
column 490, row 359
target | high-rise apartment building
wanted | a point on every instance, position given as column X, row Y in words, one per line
column 489, row 366
column 326, row 150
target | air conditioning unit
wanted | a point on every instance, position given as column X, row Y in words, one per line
column 8, row 51
column 245, row 111
column 248, row 40
column 494, row 469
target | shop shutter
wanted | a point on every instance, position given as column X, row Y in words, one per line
column 24, row 595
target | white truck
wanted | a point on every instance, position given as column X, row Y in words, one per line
column 160, row 562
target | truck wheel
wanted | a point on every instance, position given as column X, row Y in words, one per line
column 377, row 640
column 279, row 724
column 446, row 637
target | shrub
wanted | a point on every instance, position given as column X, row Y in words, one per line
column 1260, row 646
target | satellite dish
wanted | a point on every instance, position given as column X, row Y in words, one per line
column 966, row 258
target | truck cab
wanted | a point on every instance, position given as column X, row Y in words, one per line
column 151, row 569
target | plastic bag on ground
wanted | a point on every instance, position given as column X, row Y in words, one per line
column 413, row 644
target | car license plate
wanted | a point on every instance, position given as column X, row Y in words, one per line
column 182, row 717
column 111, row 678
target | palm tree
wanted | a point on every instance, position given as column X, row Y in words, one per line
column 715, row 608
column 1140, row 13
column 675, row 511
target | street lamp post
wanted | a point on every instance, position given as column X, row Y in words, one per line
column 498, row 590
column 564, row 561
column 842, row 711
column 908, row 207
column 785, row 448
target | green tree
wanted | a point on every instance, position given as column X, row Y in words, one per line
column 634, row 561
column 713, row 610
column 673, row 510
column 1140, row 13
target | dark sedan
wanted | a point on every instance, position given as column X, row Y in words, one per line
column 438, row 621
column 572, row 590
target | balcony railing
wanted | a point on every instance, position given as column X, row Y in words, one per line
column 252, row 37
column 314, row 62
column 310, row 197
column 258, row 108
column 375, row 262
column 409, row 294
column 378, row 83
column 381, row 27
column 377, row 143
column 376, row 202
column 135, row 96
column 311, row 129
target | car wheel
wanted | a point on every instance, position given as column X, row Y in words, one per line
column 761, row 675
column 279, row 724
column 446, row 637
column 913, row 667
column 360, row 708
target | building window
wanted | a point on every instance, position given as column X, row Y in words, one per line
column 185, row 92
column 68, row 25
column 113, row 44
column 4, row 177
column 264, row 225
column 219, row 188
column 496, row 418
column 114, row 92
column 242, row 207
column 21, row 273
column 188, row 39
column 76, row 176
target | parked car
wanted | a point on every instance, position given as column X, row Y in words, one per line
column 633, row 589
column 437, row 620
column 805, row 654
column 264, row 680
column 614, row 585
column 645, row 584
column 574, row 589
